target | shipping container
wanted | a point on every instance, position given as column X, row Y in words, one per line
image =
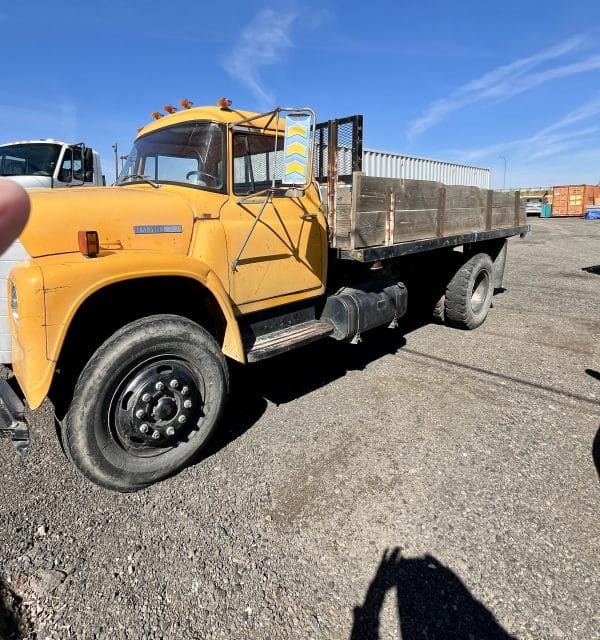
column 384, row 164
column 572, row 200
column 381, row 164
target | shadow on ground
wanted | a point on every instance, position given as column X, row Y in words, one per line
column 593, row 269
column 293, row 375
column 431, row 600
column 596, row 444
column 10, row 627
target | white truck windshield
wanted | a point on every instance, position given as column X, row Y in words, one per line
column 28, row 159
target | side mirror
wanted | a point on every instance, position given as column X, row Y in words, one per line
column 88, row 164
column 297, row 147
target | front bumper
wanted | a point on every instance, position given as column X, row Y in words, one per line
column 12, row 418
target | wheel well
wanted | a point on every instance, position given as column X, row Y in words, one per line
column 116, row 305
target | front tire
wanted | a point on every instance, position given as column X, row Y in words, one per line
column 469, row 294
column 146, row 403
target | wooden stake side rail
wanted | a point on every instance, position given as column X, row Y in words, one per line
column 371, row 254
column 376, row 218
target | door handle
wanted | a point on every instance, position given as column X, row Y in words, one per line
column 308, row 216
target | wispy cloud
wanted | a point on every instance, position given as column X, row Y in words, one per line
column 507, row 81
column 262, row 43
column 553, row 155
column 550, row 140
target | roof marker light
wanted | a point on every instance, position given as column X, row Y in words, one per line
column 186, row 104
column 224, row 103
column 156, row 115
column 169, row 108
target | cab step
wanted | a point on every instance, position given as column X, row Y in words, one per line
column 276, row 342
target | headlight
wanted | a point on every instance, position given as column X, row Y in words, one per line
column 14, row 304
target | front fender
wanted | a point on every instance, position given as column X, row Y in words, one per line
column 69, row 280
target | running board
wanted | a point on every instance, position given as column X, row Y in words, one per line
column 282, row 340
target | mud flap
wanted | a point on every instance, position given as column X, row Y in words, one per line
column 12, row 418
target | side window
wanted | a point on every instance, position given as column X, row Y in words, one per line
column 256, row 162
column 71, row 167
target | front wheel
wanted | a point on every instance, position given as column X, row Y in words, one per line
column 146, row 403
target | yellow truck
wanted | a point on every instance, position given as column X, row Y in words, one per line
column 228, row 235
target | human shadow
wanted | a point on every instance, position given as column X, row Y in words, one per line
column 10, row 625
column 596, row 444
column 593, row 373
column 432, row 602
column 596, row 452
column 593, row 269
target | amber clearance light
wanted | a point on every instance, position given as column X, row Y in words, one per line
column 89, row 244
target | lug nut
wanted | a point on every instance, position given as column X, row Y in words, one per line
column 185, row 391
column 139, row 413
column 146, row 397
column 181, row 419
column 144, row 428
column 170, row 431
column 155, row 435
column 174, row 384
column 187, row 404
column 159, row 386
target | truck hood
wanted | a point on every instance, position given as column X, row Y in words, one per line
column 32, row 182
column 131, row 217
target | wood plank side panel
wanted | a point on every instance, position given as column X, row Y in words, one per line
column 503, row 209
column 371, row 200
column 466, row 210
column 343, row 214
column 417, row 210
column 383, row 211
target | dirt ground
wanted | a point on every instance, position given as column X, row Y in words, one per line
column 427, row 483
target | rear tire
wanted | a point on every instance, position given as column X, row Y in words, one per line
column 146, row 403
column 469, row 293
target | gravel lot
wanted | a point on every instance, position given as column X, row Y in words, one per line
column 428, row 483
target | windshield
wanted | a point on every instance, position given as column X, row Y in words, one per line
column 28, row 159
column 190, row 154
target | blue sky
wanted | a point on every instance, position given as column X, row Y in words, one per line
column 473, row 82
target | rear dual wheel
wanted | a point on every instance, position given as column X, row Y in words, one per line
column 146, row 403
column 469, row 294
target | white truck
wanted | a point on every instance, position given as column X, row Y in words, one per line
column 41, row 164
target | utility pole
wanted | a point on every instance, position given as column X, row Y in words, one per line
column 116, row 150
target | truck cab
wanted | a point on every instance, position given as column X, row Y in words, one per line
column 50, row 164
column 228, row 235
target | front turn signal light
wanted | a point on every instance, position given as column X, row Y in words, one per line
column 89, row 244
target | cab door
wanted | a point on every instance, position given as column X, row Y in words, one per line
column 277, row 244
